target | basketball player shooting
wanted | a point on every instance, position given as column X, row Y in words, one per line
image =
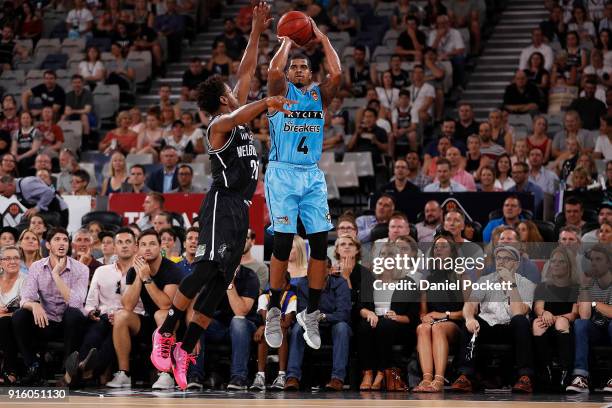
column 294, row 183
column 224, row 214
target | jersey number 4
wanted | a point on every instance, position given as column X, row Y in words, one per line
column 302, row 147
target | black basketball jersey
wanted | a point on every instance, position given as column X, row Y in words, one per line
column 235, row 166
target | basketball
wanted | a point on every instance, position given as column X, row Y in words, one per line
column 295, row 25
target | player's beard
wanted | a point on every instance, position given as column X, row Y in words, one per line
column 299, row 84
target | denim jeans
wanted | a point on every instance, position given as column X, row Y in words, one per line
column 340, row 334
column 587, row 333
column 239, row 333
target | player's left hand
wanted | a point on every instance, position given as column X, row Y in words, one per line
column 261, row 20
column 278, row 103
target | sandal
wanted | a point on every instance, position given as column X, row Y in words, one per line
column 437, row 385
column 378, row 381
column 423, row 384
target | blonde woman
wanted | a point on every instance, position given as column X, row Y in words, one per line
column 29, row 248
column 556, row 309
column 121, row 138
column 298, row 261
column 118, row 175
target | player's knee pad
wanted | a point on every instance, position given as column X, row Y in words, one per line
column 318, row 245
column 203, row 272
column 283, row 242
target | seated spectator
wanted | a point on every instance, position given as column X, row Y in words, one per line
column 487, row 180
column 26, row 143
column 192, row 77
column 163, row 220
column 92, row 69
column 399, row 226
column 537, row 45
column 388, row 94
column 79, row 22
column 136, row 122
column 31, row 24
column 97, row 353
column 80, row 179
column 474, row 160
column 403, row 135
column 335, row 311
column 422, row 97
column 49, row 93
column 234, row 41
column 151, row 136
column 8, row 165
column 401, row 77
column 605, row 214
column 68, row 164
column 29, row 248
column 606, row 22
column 385, row 206
column 560, row 96
column 465, row 14
column 581, row 24
column 604, row 235
column 541, row 176
column 522, row 96
column 169, row 243
column 369, row 137
column 556, row 309
column 147, row 39
column 185, row 180
column 411, row 42
column 52, row 136
column 79, row 106
column 387, row 317
column 252, row 263
column 8, row 236
column 358, row 75
column 573, row 212
column 528, row 232
column 166, row 178
column 432, row 219
column 603, row 144
column 496, row 324
column 444, row 182
column 453, row 155
column 288, row 312
column 119, row 70
column 488, row 148
column 7, row 48
column 539, row 138
column 152, row 206
column 594, row 308
column 449, row 44
column 441, row 317
column 400, row 183
column 433, row 9
column 572, row 130
column 163, row 277
column 82, row 250
column 576, row 55
column 121, row 138
column 51, row 303
column 172, row 26
column 344, row 17
column 167, row 117
column 508, row 235
column 511, row 216
column 9, row 121
column 120, row 35
column 589, row 107
column 579, row 180
column 430, row 163
column 466, row 125
column 11, row 284
column 179, row 140
column 193, row 132
column 165, row 92
column 220, row 63
column 40, row 227
column 520, row 151
column 434, row 75
column 554, row 28
column 118, row 175
column 536, row 73
column 523, row 185
column 598, row 68
column 566, row 162
column 415, row 174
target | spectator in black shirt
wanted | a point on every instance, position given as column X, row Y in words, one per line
column 411, row 42
column 400, row 183
column 50, row 94
column 399, row 76
column 193, row 76
column 554, row 28
column 522, row 96
column 359, row 75
column 368, row 137
column 121, row 36
column 466, row 125
column 235, row 43
column 588, row 107
column 79, row 104
column 7, row 48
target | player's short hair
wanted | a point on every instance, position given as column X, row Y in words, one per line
column 299, row 55
column 209, row 93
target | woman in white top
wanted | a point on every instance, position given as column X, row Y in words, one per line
column 387, row 94
column 503, row 179
column 92, row 69
column 150, row 138
column 194, row 133
column 11, row 282
column 583, row 26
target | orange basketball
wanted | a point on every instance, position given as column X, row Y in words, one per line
column 295, row 25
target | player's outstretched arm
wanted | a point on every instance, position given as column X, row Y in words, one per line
column 225, row 123
column 330, row 86
column 248, row 64
column 277, row 81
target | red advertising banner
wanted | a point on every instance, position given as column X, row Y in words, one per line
column 129, row 205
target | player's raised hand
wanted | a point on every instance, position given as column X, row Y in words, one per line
column 284, row 39
column 278, row 103
column 318, row 34
column 261, row 18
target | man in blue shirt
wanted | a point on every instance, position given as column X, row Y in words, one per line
column 166, row 178
column 511, row 216
column 523, row 185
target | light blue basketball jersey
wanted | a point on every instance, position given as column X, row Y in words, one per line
column 298, row 138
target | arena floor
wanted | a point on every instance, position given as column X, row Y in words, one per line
column 147, row 398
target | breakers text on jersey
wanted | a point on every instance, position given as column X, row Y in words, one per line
column 290, row 127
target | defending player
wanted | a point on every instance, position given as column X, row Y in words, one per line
column 294, row 184
column 224, row 215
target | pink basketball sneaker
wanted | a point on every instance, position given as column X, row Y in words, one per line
column 180, row 365
column 162, row 346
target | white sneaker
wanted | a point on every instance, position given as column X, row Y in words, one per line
column 164, row 382
column 310, row 324
column 120, row 380
column 608, row 387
